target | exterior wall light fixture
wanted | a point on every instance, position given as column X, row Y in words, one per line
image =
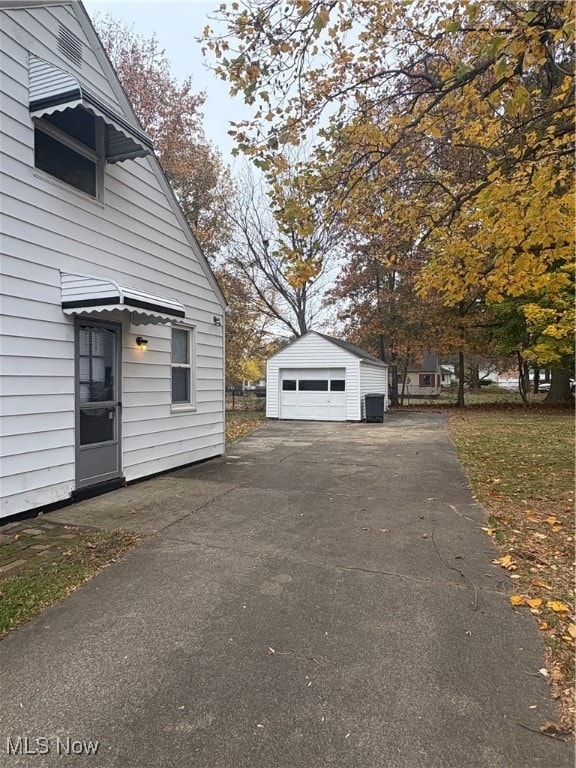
column 216, row 320
column 141, row 343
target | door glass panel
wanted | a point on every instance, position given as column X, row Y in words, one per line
column 84, row 337
column 98, row 370
column 84, row 367
column 96, row 425
column 97, row 365
column 338, row 385
column 97, row 340
column 289, row 385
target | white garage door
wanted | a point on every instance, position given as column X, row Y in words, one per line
column 315, row 394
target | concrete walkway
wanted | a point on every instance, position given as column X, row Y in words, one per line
column 322, row 596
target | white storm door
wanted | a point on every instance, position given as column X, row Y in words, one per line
column 98, row 406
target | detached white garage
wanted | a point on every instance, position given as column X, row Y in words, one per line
column 319, row 378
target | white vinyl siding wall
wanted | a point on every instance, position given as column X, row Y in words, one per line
column 134, row 237
column 373, row 379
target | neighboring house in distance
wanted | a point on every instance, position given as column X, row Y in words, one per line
column 320, row 378
column 508, row 380
column 447, row 375
column 488, row 376
column 112, row 321
column 423, row 377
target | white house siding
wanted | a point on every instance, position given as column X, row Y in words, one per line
column 134, row 237
column 313, row 351
column 373, row 379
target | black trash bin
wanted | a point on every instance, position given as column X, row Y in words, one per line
column 375, row 407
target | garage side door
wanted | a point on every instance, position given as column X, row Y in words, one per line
column 314, row 394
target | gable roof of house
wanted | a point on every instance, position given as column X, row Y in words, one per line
column 429, row 363
column 131, row 122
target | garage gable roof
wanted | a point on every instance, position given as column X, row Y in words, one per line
column 354, row 350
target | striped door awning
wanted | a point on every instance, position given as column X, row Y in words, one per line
column 86, row 295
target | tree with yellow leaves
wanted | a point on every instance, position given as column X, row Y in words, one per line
column 452, row 120
column 248, row 334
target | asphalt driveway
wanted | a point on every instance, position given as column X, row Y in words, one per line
column 321, row 596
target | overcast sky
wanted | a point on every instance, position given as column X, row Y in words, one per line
column 176, row 25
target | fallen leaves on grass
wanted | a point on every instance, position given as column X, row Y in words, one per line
column 28, row 592
column 530, row 520
column 240, row 423
column 541, row 584
column 531, row 602
column 517, row 600
column 506, row 562
column 558, row 606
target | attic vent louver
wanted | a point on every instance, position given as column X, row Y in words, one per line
column 70, row 45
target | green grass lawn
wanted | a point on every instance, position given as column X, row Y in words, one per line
column 25, row 594
column 485, row 396
column 521, row 467
column 522, row 455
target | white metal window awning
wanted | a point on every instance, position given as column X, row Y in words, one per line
column 55, row 90
column 85, row 295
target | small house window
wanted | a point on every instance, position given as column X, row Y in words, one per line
column 289, row 385
column 427, row 379
column 182, row 366
column 70, row 146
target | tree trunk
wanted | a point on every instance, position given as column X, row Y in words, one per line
column 560, row 393
column 536, row 386
column 523, row 380
column 393, row 385
column 460, row 403
column 474, row 377
column 404, row 375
